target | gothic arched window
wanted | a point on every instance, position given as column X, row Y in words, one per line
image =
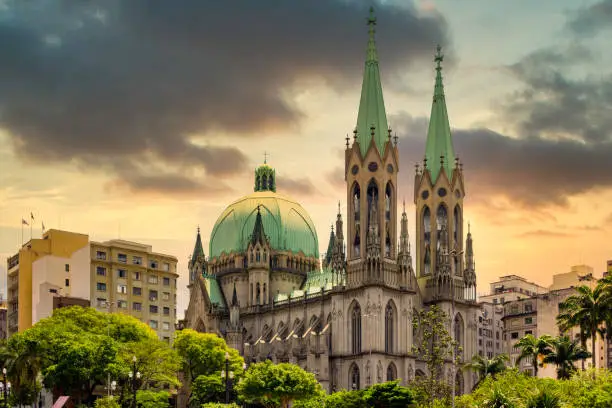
column 391, row 372
column 427, row 241
column 441, row 219
column 356, row 329
column 389, row 325
column 458, row 332
column 388, row 201
column 354, row 377
column 258, row 256
column 264, row 182
column 372, row 199
column 257, row 292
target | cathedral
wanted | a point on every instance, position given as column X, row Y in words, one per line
column 347, row 316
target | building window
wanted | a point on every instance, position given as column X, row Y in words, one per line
column 166, row 325
column 136, row 291
column 153, row 309
column 136, row 276
column 137, row 260
column 167, row 339
column 389, row 323
column 101, row 255
column 166, row 281
column 514, row 335
column 101, row 302
column 153, row 324
column 166, row 311
column 101, row 286
column 528, row 332
column 495, row 301
column 153, row 295
column 153, row 264
column 122, row 289
column 165, row 296
column 356, row 329
column 67, row 267
column 529, row 320
column 122, row 258
column 354, row 378
column 153, row 279
column 100, row 271
column 528, row 307
column 175, row 283
column 122, row 304
column 166, row 267
column 122, row 274
column 137, row 306
column 67, row 282
column 391, row 372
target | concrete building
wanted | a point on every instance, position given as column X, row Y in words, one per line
column 57, row 262
column 511, row 287
column 490, row 330
column 578, row 275
column 128, row 277
column 3, row 320
column 348, row 320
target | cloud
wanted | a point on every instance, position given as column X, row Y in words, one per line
column 544, row 234
column 92, row 82
column 167, row 185
column 532, row 172
column 297, row 186
column 335, row 177
column 588, row 21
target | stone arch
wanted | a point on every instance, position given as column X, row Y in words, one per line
column 391, row 372
column 356, row 238
column 390, row 327
column 354, row 377
column 389, row 204
column 354, row 326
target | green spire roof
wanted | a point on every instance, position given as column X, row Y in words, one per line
column 439, row 140
column 372, row 105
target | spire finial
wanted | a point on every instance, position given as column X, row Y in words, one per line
column 439, row 58
column 468, row 227
column 332, row 228
column 198, row 229
column 404, row 205
column 265, row 157
column 372, row 57
column 339, row 207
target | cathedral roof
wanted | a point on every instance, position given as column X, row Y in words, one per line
column 372, row 105
column 287, row 225
column 439, row 140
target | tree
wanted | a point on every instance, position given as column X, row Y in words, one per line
column 484, row 367
column 435, row 349
column 153, row 399
column 533, row 348
column 202, row 360
column 388, row 395
column 588, row 309
column 22, row 364
column 563, row 353
column 345, row 399
column 277, row 385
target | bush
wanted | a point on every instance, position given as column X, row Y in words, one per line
column 219, row 405
column 106, row 402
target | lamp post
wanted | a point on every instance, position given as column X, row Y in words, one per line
column 6, row 387
column 134, row 376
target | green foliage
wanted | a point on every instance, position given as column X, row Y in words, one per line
column 345, row 399
column 106, row 402
column 546, row 398
column 219, row 405
column 202, row 360
column 435, row 349
column 22, row 364
column 563, row 353
column 277, row 385
column 388, row 395
column 534, row 349
column 78, row 347
column 152, row 399
column 485, row 367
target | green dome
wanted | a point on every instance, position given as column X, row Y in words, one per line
column 286, row 224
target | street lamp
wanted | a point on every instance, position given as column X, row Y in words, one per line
column 5, row 387
column 134, row 376
column 228, row 375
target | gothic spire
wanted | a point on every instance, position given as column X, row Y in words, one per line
column 469, row 251
column 372, row 117
column 330, row 248
column 404, row 239
column 234, row 296
column 439, row 150
column 339, row 224
column 198, row 249
column 259, row 235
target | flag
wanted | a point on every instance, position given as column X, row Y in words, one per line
column 24, row 222
column 32, row 216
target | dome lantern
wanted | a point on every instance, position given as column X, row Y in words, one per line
column 265, row 177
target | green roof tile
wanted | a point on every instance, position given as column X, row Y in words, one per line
column 439, row 139
column 372, row 105
column 214, row 291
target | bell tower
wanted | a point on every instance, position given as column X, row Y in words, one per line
column 438, row 195
column 371, row 167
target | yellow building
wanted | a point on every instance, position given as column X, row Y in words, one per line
column 58, row 263
column 128, row 277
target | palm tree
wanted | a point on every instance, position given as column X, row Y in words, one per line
column 484, row 367
column 564, row 352
column 587, row 309
column 532, row 348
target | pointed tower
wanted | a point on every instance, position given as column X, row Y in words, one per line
column 470, row 268
column 330, row 249
column 197, row 262
column 259, row 264
column 438, row 196
column 338, row 260
column 234, row 330
column 404, row 258
column 371, row 166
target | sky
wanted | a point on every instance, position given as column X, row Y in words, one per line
column 142, row 120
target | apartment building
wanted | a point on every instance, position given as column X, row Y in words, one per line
column 490, row 330
column 509, row 288
column 3, row 321
column 128, row 277
column 58, row 263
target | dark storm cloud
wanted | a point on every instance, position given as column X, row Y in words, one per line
column 88, row 81
column 532, row 172
column 296, row 186
column 556, row 105
column 590, row 20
